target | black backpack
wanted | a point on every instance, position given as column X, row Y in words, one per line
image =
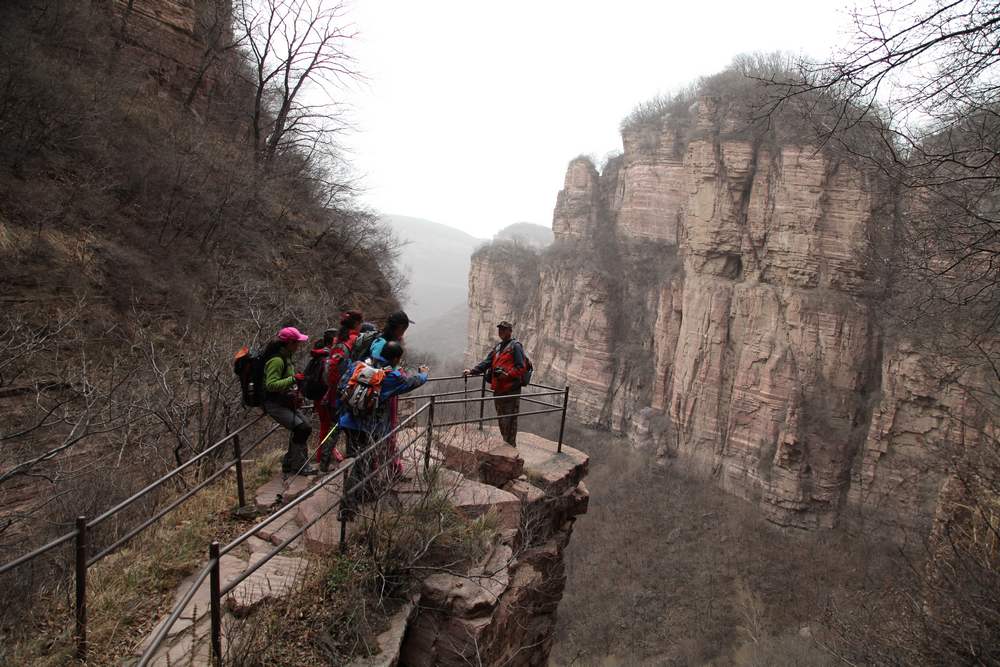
column 315, row 374
column 249, row 368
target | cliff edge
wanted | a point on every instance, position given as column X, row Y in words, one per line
column 710, row 293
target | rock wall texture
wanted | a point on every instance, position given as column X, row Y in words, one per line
column 171, row 39
column 502, row 611
column 708, row 293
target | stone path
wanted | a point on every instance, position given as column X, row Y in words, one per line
column 188, row 640
column 534, row 491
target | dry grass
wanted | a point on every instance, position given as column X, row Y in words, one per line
column 132, row 589
column 345, row 601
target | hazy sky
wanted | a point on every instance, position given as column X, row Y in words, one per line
column 472, row 109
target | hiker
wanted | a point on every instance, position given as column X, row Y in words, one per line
column 505, row 368
column 338, row 359
column 282, row 398
column 366, row 393
column 370, row 344
column 316, row 387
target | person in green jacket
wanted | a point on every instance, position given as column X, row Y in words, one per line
column 282, row 399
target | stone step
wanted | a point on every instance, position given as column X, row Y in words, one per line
column 474, row 499
column 275, row 579
column 553, row 472
column 323, row 535
column 289, row 488
column 479, row 454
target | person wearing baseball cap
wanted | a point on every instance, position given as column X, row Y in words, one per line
column 505, row 367
column 282, row 400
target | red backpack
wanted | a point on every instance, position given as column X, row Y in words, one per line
column 337, row 363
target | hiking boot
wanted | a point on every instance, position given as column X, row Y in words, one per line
column 324, row 458
column 306, row 471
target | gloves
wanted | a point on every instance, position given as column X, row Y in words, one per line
column 300, row 376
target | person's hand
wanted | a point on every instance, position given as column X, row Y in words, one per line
column 423, row 369
column 467, row 372
column 300, row 376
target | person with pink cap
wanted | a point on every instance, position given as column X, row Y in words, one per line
column 282, row 400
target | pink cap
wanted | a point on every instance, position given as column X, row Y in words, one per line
column 290, row 334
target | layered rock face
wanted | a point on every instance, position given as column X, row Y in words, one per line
column 171, row 39
column 502, row 611
column 708, row 292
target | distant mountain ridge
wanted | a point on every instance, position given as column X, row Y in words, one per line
column 436, row 258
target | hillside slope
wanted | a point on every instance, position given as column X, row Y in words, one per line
column 142, row 242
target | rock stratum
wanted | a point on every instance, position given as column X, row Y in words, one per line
column 709, row 293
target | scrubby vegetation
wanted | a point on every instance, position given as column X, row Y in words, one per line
column 146, row 234
column 665, row 570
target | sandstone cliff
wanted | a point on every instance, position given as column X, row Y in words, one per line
column 709, row 293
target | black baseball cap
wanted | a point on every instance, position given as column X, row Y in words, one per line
column 397, row 318
column 504, row 324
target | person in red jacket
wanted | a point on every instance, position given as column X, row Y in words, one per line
column 337, row 350
column 505, row 368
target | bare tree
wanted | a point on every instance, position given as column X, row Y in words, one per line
column 297, row 54
column 917, row 96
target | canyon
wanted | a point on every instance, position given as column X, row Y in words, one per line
column 710, row 294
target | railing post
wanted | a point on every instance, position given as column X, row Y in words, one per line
column 482, row 404
column 216, row 604
column 81, row 588
column 430, row 434
column 240, row 489
column 562, row 423
column 465, row 405
column 343, row 528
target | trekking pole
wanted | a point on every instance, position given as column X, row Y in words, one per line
column 81, row 588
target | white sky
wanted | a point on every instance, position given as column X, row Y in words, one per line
column 472, row 109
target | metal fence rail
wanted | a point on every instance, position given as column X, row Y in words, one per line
column 83, row 559
column 81, row 535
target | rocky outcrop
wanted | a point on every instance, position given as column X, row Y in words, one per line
column 502, row 610
column 709, row 292
column 179, row 43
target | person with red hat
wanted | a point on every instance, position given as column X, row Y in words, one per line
column 282, row 399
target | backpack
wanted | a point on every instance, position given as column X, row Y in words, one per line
column 315, row 374
column 337, row 363
column 249, row 368
column 360, row 391
column 363, row 345
column 529, row 368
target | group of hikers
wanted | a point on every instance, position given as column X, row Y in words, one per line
column 354, row 377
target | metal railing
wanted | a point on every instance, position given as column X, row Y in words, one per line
column 212, row 568
column 84, row 527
